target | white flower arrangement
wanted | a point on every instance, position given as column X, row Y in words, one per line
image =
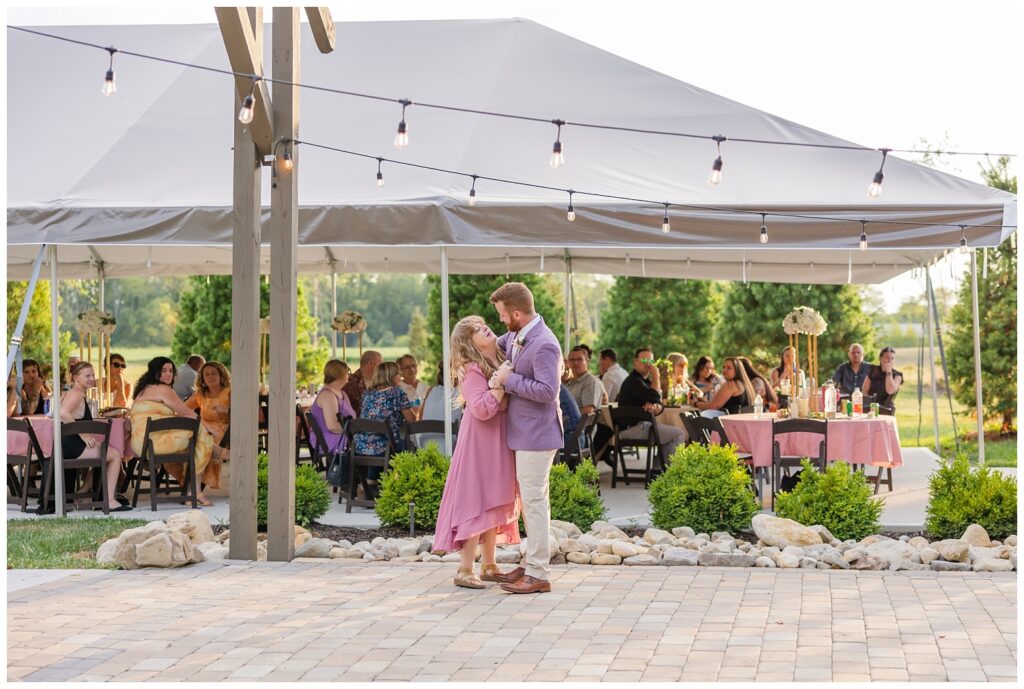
column 349, row 322
column 95, row 322
column 804, row 320
column 265, row 325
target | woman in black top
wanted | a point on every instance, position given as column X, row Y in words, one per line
column 736, row 393
column 884, row 382
column 33, row 388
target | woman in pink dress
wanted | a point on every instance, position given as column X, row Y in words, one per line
column 481, row 501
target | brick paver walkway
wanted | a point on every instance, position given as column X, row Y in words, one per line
column 335, row 620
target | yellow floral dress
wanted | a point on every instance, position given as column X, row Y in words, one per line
column 215, row 413
column 168, row 442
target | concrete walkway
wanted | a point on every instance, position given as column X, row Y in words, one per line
column 339, row 620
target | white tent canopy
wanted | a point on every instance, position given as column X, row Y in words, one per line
column 141, row 181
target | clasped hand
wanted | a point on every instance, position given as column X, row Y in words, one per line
column 499, row 377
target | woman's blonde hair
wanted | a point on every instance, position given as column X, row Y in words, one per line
column 385, row 376
column 225, row 377
column 741, row 377
column 464, row 352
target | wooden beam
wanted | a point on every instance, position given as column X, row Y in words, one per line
column 239, row 40
column 284, row 236
column 245, row 326
column 322, row 26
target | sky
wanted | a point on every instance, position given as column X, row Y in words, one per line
column 882, row 74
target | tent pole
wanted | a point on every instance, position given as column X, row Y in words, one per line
column 334, row 309
column 58, row 454
column 931, row 360
column 446, row 352
column 977, row 359
column 14, row 348
column 568, row 305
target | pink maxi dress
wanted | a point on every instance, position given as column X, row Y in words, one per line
column 481, row 491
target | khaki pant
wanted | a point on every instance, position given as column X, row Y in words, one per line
column 532, row 471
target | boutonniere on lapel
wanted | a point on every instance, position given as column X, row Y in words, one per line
column 520, row 341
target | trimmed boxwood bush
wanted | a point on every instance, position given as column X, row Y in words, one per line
column 415, row 476
column 312, row 494
column 960, row 496
column 839, row 499
column 574, row 494
column 705, row 488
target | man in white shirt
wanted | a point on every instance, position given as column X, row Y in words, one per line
column 185, row 381
column 612, row 374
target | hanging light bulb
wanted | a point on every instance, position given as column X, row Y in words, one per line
column 963, row 240
column 557, row 158
column 863, row 235
column 715, row 176
column 380, row 175
column 875, row 188
column 285, row 161
column 764, row 230
column 472, row 192
column 402, row 137
column 109, row 87
column 666, row 227
column 570, row 214
column 248, row 104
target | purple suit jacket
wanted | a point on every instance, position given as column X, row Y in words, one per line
column 533, row 419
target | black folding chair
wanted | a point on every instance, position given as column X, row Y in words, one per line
column 358, row 464
column 302, row 436
column 624, row 418
column 151, row 464
column 100, row 428
column 319, row 452
column 412, row 429
column 28, row 463
column 580, row 443
column 784, row 463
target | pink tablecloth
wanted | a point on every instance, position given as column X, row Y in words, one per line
column 861, row 440
column 17, row 443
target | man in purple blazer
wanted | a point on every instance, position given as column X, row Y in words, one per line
column 531, row 375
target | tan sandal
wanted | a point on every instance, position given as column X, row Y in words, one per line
column 487, row 572
column 467, row 578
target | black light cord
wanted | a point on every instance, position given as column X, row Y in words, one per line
column 505, row 115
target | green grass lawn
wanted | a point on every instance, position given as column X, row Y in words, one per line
column 61, row 543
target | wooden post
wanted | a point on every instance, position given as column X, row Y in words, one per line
column 245, row 324
column 283, row 275
column 977, row 358
column 58, row 455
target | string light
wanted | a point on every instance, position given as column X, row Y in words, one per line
column 248, row 103
column 109, row 87
column 380, row 175
column 402, row 137
column 665, row 226
column 571, row 213
column 472, row 192
column 863, row 235
column 716, row 168
column 963, row 240
column 285, row 160
column 557, row 157
column 875, row 188
column 764, row 230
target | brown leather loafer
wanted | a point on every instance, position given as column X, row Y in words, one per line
column 509, row 577
column 528, row 584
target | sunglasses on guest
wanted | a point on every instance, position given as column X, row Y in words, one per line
column 647, row 361
column 118, row 364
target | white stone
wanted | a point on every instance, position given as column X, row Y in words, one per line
column 975, row 534
column 824, row 533
column 154, row 551
column 507, row 556
column 783, row 532
column 953, row 550
column 605, row 559
column 808, row 563
column 786, row 561
column 124, row 555
column 793, row 550
column 641, row 560
column 624, row 550
column 928, row 554
column 193, row 523
column 918, row 542
column 873, row 562
column 378, row 541
column 602, row 529
column 764, row 562
column 979, row 553
column 680, row 557
column 896, row 553
column 141, row 534
column 314, row 547
column 944, row 566
column 992, row 565
column 261, row 551
column 577, row 557
column 655, row 536
column 1010, row 540
column 337, row 553
column 571, row 545
column 364, row 546
column 345, row 544
column 683, row 532
column 604, row 545
column 354, row 553
column 302, row 535
column 588, row 541
column 409, row 549
column 182, row 550
column 827, row 554
column 429, row 557
column 571, row 530
column 105, row 553
column 725, row 560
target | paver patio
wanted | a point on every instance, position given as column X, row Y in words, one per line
column 341, row 620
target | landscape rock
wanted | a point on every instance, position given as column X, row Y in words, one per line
column 874, row 538
column 979, row 553
column 223, row 536
column 570, row 529
column 725, row 560
column 353, row 553
column 896, row 553
column 683, row 532
column 824, row 533
column 426, row 545
column 577, row 557
column 953, row 550
column 808, row 563
column 182, row 550
column 409, row 549
column 918, row 542
column 337, row 553
column 944, row 566
column 302, row 535
column 602, row 529
column 654, row 536
column 870, row 562
column 558, row 559
column 314, row 547
column 1010, row 540
column 992, row 565
column 783, row 532
column 640, row 560
column 105, row 553
column 928, row 555
column 571, row 545
column 193, row 523
column 975, row 534
column 675, row 556
column 764, row 562
column 154, row 551
column 588, row 541
column 624, row 550
column 261, row 551
column 605, row 559
column 785, row 560
column 507, row 556
column 827, row 554
column 452, row 557
column 140, row 534
column 429, row 557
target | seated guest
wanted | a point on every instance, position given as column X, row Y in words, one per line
column 612, row 374
column 120, row 389
column 359, row 381
column 850, row 375
column 185, row 382
column 213, row 400
column 570, row 413
column 414, row 388
column 74, row 407
column 884, row 382
column 433, row 409
column 784, row 371
column 33, row 388
column 642, row 389
column 735, row 393
column 585, row 387
column 680, row 373
column 762, row 386
column 331, row 401
column 587, row 349
column 383, row 401
column 154, row 397
column 66, row 373
column 704, row 377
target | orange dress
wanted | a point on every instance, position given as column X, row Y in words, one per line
column 215, row 414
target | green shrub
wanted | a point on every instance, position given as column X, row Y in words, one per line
column 574, row 494
column 705, row 488
column 312, row 494
column 839, row 499
column 960, row 496
column 413, row 477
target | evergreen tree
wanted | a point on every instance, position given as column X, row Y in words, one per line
column 470, row 295
column 668, row 315
column 997, row 320
column 750, row 323
column 418, row 345
column 36, row 342
column 204, row 327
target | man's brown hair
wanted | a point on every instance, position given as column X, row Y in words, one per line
column 515, row 296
